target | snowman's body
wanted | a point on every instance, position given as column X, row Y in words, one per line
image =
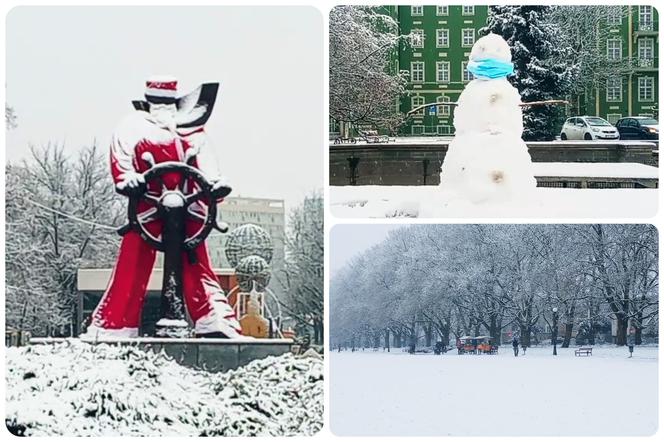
column 487, row 160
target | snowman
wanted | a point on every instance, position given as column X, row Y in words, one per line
column 487, row 161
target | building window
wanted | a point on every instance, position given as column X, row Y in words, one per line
column 417, row 71
column 646, row 52
column 442, row 10
column 443, row 129
column 442, row 38
column 416, row 10
column 443, row 110
column 613, row 118
column 614, row 15
column 614, row 49
column 614, row 89
column 417, row 38
column 645, row 18
column 417, row 129
column 468, row 10
column 443, row 71
column 466, row 76
column 467, row 37
column 415, row 102
column 646, row 88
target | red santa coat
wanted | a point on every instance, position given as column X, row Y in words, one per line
column 121, row 306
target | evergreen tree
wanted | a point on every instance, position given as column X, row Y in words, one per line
column 543, row 70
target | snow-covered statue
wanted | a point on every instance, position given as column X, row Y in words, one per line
column 487, row 160
column 163, row 128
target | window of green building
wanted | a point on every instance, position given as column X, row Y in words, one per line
column 443, row 71
column 417, row 38
column 416, row 10
column 646, row 51
column 442, row 38
column 417, row 101
column 442, row 10
column 467, row 37
column 614, row 89
column 468, row 10
column 417, row 71
column 614, row 49
column 466, row 76
column 646, row 88
column 645, row 18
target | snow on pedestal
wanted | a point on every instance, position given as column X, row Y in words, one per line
column 487, row 160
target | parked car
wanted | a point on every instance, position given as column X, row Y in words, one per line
column 588, row 128
column 638, row 128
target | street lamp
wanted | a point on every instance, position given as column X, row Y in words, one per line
column 554, row 332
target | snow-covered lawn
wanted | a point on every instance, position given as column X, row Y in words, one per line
column 431, row 202
column 397, row 394
column 77, row 389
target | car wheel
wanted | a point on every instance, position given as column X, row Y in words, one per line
column 587, row 137
column 563, row 136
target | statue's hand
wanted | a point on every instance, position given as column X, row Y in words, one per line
column 221, row 188
column 132, row 184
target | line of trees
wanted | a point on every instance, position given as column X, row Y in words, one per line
column 454, row 280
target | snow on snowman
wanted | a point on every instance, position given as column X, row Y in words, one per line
column 487, row 161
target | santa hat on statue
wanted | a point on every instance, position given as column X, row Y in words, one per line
column 194, row 108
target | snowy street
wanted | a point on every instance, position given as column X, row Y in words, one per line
column 398, row 394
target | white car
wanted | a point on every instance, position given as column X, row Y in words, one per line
column 588, row 128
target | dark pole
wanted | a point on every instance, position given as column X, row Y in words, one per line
column 173, row 236
column 554, row 332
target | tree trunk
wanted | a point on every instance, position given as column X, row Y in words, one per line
column 621, row 329
column 387, row 340
column 427, row 335
column 638, row 329
column 525, row 335
column 568, row 334
column 413, row 340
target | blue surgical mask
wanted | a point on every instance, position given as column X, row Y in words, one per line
column 490, row 68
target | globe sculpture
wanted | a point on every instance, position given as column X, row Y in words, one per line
column 248, row 240
column 253, row 272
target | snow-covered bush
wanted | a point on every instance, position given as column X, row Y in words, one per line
column 77, row 389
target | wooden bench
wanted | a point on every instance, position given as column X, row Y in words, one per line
column 583, row 351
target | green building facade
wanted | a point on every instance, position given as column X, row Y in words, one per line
column 444, row 35
column 632, row 35
column 436, row 59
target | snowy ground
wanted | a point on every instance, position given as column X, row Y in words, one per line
column 77, row 389
column 397, row 394
column 431, row 202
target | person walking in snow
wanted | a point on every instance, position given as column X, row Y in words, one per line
column 515, row 345
column 163, row 128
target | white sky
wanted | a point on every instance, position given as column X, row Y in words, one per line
column 349, row 240
column 73, row 71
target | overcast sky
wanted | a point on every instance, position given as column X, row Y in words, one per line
column 349, row 240
column 73, row 71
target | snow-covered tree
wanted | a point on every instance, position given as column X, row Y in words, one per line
column 10, row 117
column 426, row 283
column 584, row 28
column 303, row 274
column 543, row 64
column 44, row 248
column 364, row 83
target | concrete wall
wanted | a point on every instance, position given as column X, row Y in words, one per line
column 420, row 163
